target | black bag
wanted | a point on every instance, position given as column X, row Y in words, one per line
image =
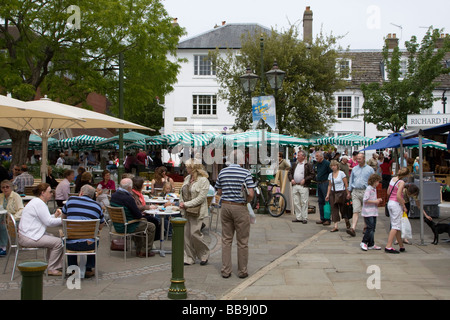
column 348, row 209
column 386, row 210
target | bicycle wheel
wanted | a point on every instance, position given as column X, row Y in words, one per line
column 277, row 204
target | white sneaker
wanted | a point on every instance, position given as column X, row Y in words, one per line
column 374, row 247
column 363, row 246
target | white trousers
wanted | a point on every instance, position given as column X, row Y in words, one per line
column 300, row 195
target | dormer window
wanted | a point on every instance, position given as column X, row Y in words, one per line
column 344, row 69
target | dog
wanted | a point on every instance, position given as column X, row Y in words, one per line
column 437, row 229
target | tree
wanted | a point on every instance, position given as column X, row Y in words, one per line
column 406, row 90
column 66, row 52
column 304, row 104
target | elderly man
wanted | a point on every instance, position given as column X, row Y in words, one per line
column 22, row 180
column 62, row 190
column 300, row 175
column 357, row 186
column 123, row 198
column 83, row 207
column 234, row 214
column 323, row 170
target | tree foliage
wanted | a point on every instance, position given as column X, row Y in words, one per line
column 44, row 54
column 304, row 104
column 408, row 90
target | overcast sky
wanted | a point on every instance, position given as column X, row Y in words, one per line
column 363, row 22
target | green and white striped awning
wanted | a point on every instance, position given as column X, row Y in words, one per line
column 33, row 142
column 347, row 140
column 79, row 142
column 257, row 137
column 182, row 138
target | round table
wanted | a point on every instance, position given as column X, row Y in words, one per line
column 162, row 214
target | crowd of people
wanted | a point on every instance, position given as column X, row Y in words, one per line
column 340, row 179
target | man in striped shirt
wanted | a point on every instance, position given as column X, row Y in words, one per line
column 83, row 207
column 234, row 213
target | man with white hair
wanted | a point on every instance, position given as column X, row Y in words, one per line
column 123, row 198
column 234, row 213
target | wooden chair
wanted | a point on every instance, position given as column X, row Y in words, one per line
column 13, row 243
column 178, row 186
column 214, row 206
column 80, row 229
column 29, row 190
column 117, row 215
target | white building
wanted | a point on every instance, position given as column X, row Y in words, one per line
column 193, row 105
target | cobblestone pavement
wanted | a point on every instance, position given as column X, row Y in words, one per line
column 287, row 261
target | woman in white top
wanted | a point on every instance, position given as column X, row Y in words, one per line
column 337, row 184
column 32, row 229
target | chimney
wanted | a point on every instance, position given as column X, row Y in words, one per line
column 224, row 23
column 392, row 41
column 307, row 24
column 440, row 41
column 175, row 22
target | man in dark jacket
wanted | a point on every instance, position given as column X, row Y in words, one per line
column 300, row 175
column 123, row 198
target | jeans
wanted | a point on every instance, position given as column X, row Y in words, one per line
column 369, row 234
column 322, row 189
column 81, row 246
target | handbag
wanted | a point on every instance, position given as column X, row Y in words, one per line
column 191, row 211
column 339, row 196
column 117, row 244
column 386, row 210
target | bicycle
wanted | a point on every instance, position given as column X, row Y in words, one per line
column 275, row 203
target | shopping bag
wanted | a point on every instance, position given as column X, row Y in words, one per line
column 327, row 211
column 251, row 213
column 406, row 227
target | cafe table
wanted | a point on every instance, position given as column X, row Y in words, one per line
column 162, row 214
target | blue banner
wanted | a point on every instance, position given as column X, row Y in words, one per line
column 263, row 107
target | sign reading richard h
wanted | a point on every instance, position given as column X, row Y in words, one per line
column 263, row 107
column 423, row 121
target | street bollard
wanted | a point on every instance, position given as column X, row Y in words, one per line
column 32, row 279
column 177, row 288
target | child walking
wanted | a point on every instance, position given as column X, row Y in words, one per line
column 370, row 212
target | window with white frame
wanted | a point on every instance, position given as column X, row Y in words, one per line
column 344, row 107
column 204, row 104
column 403, row 65
column 356, row 107
column 203, row 66
column 344, row 68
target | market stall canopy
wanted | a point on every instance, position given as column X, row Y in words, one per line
column 183, row 138
column 394, row 141
column 128, row 138
column 255, row 137
column 347, row 140
column 78, row 142
column 35, row 142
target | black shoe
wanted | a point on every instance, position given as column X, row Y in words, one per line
column 305, row 221
column 391, row 250
column 203, row 263
column 226, row 276
column 402, row 250
column 242, row 276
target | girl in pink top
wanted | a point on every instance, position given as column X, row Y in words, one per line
column 396, row 206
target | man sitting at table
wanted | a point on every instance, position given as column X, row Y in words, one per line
column 22, row 180
column 63, row 189
column 83, row 207
column 123, row 198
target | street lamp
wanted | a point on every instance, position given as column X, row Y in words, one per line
column 275, row 77
column 248, row 81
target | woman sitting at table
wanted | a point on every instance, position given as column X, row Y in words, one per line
column 12, row 203
column 138, row 197
column 194, row 206
column 104, row 188
column 159, row 180
column 35, row 219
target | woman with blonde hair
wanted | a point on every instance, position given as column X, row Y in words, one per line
column 12, row 203
column 396, row 207
column 194, row 207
